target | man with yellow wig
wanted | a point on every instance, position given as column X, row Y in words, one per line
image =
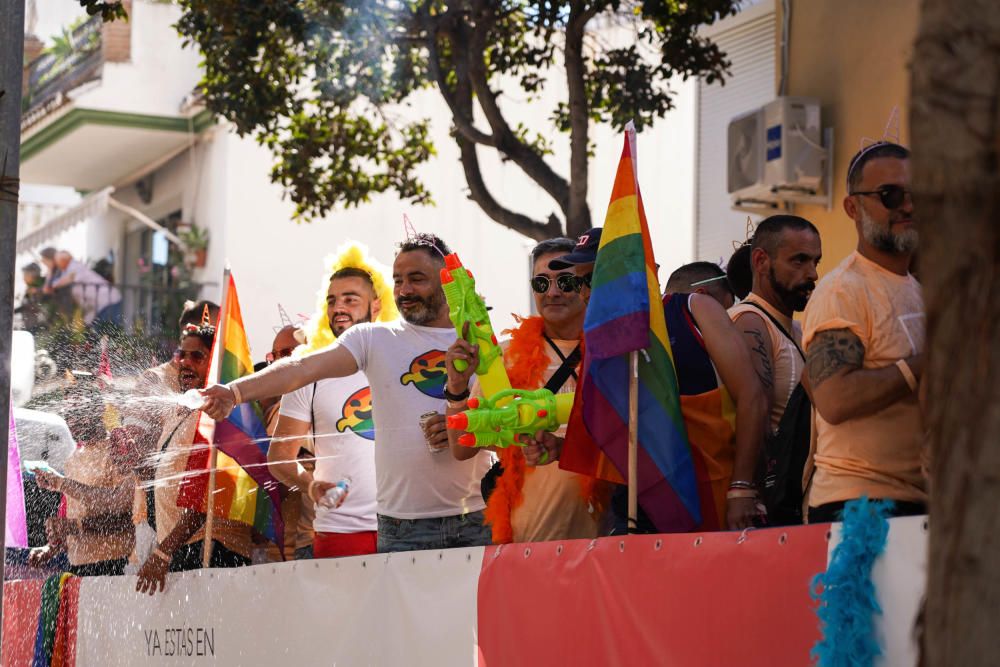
column 337, row 413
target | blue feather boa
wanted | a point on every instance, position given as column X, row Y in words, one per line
column 846, row 594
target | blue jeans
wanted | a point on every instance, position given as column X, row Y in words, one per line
column 460, row 530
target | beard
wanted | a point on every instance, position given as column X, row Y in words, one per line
column 795, row 297
column 338, row 329
column 884, row 239
column 420, row 310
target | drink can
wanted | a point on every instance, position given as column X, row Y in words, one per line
column 424, row 419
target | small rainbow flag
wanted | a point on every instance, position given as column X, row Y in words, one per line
column 245, row 490
column 625, row 314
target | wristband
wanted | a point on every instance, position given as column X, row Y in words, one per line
column 740, row 493
column 911, row 379
column 162, row 556
column 236, row 392
column 309, row 489
column 458, row 405
column 456, row 397
column 740, row 484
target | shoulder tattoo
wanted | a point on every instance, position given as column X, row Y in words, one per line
column 832, row 352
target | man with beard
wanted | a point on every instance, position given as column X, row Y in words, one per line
column 864, row 343
column 784, row 255
column 426, row 498
column 180, row 532
column 340, row 449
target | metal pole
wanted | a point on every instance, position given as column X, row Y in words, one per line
column 633, row 441
column 213, row 453
column 11, row 73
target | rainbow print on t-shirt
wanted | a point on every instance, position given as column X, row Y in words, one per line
column 357, row 414
column 427, row 373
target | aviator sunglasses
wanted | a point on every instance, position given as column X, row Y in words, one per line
column 564, row 281
column 891, row 196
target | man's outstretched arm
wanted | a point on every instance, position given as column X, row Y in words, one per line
column 279, row 379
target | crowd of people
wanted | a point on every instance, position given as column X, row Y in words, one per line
column 787, row 419
column 68, row 288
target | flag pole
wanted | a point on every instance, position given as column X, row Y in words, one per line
column 213, row 453
column 633, row 442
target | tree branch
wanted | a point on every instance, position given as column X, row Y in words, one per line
column 479, row 193
column 463, row 122
column 578, row 213
column 530, row 162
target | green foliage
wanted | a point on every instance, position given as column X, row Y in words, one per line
column 321, row 82
column 109, row 11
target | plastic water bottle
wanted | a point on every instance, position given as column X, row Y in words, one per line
column 192, row 399
column 336, row 495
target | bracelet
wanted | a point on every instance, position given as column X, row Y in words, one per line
column 309, row 489
column 740, row 484
column 458, row 405
column 236, row 392
column 911, row 379
column 456, row 397
column 740, row 493
column 162, row 556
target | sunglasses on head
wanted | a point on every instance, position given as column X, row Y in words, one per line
column 194, row 355
column 891, row 196
column 274, row 356
column 566, row 282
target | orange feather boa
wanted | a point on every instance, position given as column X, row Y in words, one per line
column 527, row 360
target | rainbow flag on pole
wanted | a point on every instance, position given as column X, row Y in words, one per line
column 245, row 490
column 625, row 313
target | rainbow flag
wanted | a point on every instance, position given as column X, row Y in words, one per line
column 625, row 314
column 245, row 490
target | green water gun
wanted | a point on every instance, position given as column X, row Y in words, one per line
column 497, row 421
column 464, row 305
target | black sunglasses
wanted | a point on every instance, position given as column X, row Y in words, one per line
column 891, row 196
column 565, row 281
column 195, row 355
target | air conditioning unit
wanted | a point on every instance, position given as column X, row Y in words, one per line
column 776, row 154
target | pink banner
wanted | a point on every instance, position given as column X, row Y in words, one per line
column 16, row 533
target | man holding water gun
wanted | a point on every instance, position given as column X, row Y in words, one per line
column 531, row 501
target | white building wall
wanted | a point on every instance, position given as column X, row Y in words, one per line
column 748, row 39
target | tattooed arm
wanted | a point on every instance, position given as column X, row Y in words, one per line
column 758, row 341
column 841, row 388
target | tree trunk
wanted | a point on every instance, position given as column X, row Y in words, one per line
column 955, row 125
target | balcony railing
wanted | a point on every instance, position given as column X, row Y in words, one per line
column 64, row 68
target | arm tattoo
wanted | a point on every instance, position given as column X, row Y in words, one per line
column 766, row 372
column 831, row 352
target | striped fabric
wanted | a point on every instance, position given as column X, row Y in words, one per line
column 625, row 314
column 245, row 490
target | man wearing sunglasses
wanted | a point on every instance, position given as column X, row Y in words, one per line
column 180, row 532
column 864, row 343
column 531, row 502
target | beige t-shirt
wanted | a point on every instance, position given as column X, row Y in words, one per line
column 173, row 447
column 553, row 507
column 788, row 363
column 878, row 455
column 90, row 464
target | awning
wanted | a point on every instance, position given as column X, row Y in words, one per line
column 93, row 205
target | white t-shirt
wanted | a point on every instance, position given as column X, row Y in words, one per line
column 405, row 367
column 345, row 446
